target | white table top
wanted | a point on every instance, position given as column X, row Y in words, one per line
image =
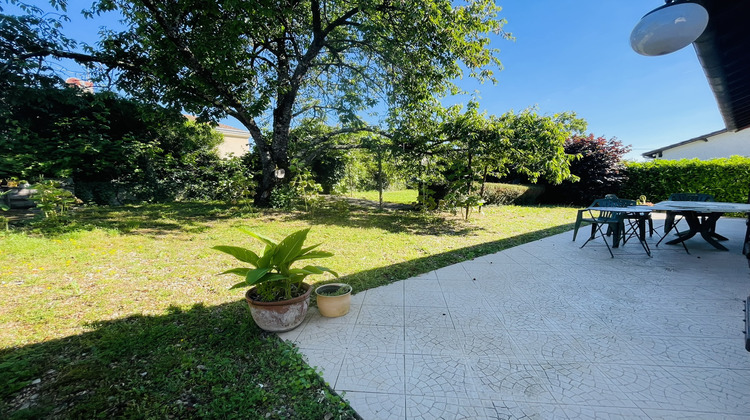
column 702, row 206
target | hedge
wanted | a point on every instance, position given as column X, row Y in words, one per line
column 503, row 194
column 727, row 179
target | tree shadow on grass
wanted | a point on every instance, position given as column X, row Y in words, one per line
column 150, row 219
column 205, row 362
column 196, row 217
column 395, row 221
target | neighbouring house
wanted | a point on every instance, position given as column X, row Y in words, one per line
column 719, row 144
column 236, row 141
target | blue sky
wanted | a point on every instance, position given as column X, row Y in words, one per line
column 574, row 55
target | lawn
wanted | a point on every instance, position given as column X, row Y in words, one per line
column 123, row 313
column 399, row 196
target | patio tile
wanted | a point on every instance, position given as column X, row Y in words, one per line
column 509, row 409
column 378, row 406
column 728, row 353
column 497, row 343
column 452, row 272
column 581, row 383
column 427, row 407
column 328, row 361
column 417, row 284
column 547, row 346
column 720, row 390
column 443, row 376
column 476, row 318
column 427, row 316
column 372, row 372
column 432, row 340
column 597, row 412
column 324, row 335
column 381, row 316
column 651, row 386
column 389, row 295
column 513, row 380
column 689, row 415
column 425, row 298
column 377, row 339
column 548, row 330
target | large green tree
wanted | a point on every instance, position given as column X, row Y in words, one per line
column 269, row 62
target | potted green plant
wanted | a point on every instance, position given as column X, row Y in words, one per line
column 278, row 297
column 334, row 299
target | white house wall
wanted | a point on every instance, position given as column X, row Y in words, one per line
column 233, row 144
column 722, row 145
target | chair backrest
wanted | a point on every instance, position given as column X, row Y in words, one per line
column 611, row 202
column 624, row 202
column 690, row 197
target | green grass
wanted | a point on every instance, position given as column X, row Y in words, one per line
column 400, row 196
column 122, row 313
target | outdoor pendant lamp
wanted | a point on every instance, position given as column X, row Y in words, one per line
column 669, row 28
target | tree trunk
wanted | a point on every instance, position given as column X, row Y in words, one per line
column 380, row 178
column 268, row 177
column 469, row 183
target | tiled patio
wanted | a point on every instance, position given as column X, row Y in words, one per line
column 548, row 330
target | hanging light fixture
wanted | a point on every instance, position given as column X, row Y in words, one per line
column 669, row 28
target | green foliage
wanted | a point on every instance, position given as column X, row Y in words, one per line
column 333, row 290
column 52, row 199
column 505, row 194
column 3, row 205
column 115, row 149
column 273, row 275
column 458, row 153
column 727, row 179
column 284, row 197
column 306, row 188
column 203, row 362
column 265, row 61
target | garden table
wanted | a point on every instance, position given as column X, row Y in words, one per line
column 701, row 217
column 636, row 216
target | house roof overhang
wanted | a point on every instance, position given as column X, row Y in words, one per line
column 653, row 154
column 724, row 53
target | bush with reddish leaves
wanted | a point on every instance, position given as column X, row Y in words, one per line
column 600, row 169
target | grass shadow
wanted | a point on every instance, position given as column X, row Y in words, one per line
column 205, row 362
column 394, row 221
column 150, row 219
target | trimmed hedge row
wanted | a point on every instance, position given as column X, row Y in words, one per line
column 728, row 179
column 503, row 194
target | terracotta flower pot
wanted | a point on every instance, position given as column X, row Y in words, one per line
column 279, row 316
column 333, row 306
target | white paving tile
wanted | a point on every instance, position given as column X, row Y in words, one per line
column 548, row 331
column 371, row 372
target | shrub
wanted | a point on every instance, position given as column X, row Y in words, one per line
column 599, row 168
column 727, row 179
column 504, row 194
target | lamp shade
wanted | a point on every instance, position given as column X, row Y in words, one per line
column 669, row 28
